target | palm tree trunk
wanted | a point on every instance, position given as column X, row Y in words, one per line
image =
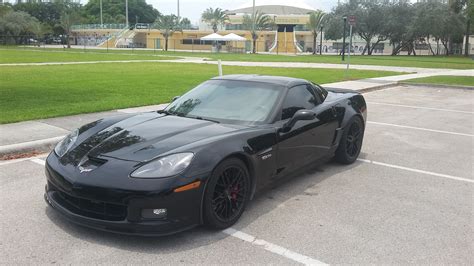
column 466, row 45
column 314, row 43
column 254, row 48
column 67, row 41
column 166, row 44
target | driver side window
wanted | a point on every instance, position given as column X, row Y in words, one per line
column 298, row 97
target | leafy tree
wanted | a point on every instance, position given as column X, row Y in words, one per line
column 261, row 22
column 467, row 8
column 19, row 26
column 48, row 13
column 450, row 28
column 113, row 11
column 186, row 24
column 69, row 17
column 168, row 25
column 214, row 17
column 316, row 20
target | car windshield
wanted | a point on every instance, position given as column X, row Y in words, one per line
column 228, row 101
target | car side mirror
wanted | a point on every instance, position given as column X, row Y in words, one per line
column 175, row 98
column 299, row 115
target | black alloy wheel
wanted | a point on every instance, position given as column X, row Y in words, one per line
column 227, row 194
column 351, row 141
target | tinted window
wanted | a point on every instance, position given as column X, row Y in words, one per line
column 228, row 101
column 322, row 93
column 299, row 97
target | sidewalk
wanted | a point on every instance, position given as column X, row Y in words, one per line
column 41, row 135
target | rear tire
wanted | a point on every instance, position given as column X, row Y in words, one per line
column 351, row 141
column 227, row 194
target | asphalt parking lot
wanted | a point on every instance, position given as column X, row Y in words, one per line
column 409, row 199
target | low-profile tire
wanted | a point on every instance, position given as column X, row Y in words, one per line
column 227, row 194
column 351, row 141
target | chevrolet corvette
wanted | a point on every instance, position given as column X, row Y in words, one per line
column 202, row 158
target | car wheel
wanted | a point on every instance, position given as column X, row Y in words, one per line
column 226, row 194
column 351, row 141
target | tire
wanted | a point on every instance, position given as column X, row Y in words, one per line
column 351, row 141
column 227, row 194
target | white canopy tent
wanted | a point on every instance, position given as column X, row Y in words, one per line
column 233, row 37
column 212, row 37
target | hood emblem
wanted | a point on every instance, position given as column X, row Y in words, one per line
column 84, row 170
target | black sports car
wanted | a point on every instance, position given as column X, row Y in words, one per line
column 200, row 160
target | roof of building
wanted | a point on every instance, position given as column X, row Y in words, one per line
column 276, row 7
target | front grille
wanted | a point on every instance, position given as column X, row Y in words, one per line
column 93, row 209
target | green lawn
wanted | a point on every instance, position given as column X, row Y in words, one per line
column 56, row 55
column 445, row 80
column 33, row 92
column 454, row 62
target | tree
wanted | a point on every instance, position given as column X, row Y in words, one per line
column 466, row 7
column 214, row 17
column 114, row 11
column 168, row 25
column 399, row 21
column 69, row 17
column 19, row 26
column 260, row 23
column 450, row 28
column 315, row 22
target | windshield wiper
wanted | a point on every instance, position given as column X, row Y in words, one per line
column 164, row 112
column 202, row 118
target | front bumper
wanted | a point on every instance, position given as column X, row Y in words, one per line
column 120, row 211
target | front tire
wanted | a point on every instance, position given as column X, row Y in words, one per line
column 227, row 194
column 351, row 141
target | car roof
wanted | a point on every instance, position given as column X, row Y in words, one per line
column 278, row 80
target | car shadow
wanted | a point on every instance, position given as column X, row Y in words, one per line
column 265, row 201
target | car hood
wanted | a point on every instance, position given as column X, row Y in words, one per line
column 143, row 137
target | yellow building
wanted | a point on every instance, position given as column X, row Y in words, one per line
column 289, row 36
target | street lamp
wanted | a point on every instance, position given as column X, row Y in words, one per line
column 344, row 38
column 126, row 13
column 101, row 19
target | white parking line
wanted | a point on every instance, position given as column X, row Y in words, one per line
column 273, row 248
column 21, row 159
column 253, row 240
column 419, row 107
column 38, row 161
column 421, row 128
column 417, row 170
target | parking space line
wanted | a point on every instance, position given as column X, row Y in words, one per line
column 21, row 159
column 421, row 128
column 417, row 170
column 279, row 250
column 38, row 161
column 419, row 107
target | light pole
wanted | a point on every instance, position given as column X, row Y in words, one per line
column 178, row 10
column 126, row 13
column 344, row 38
column 101, row 19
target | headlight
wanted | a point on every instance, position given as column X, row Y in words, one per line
column 64, row 145
column 165, row 166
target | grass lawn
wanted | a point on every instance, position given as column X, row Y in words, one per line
column 33, row 92
column 445, row 80
column 56, row 55
column 454, row 62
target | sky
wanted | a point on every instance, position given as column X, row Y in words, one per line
column 192, row 9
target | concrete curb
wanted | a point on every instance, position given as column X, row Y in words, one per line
column 43, row 145
column 437, row 85
column 380, row 87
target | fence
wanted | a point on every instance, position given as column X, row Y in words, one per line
column 141, row 41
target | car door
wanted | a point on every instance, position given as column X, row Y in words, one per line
column 307, row 140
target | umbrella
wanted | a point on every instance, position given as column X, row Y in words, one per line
column 233, row 37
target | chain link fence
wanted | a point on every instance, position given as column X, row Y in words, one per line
column 107, row 41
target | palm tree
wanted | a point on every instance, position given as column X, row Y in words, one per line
column 214, row 17
column 316, row 20
column 168, row 25
column 466, row 6
column 261, row 22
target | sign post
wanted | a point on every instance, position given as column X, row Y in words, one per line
column 352, row 22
